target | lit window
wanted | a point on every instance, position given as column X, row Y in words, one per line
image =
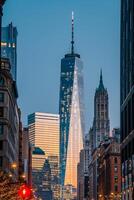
column 115, row 169
column 4, row 44
column 116, row 179
column 9, row 45
column 13, row 45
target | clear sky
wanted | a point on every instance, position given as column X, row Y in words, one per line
column 44, row 32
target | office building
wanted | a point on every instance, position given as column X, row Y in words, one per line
column 127, row 98
column 44, row 133
column 26, row 156
column 9, row 120
column 9, row 47
column 82, row 171
column 38, row 160
column 109, row 171
column 101, row 124
column 71, row 115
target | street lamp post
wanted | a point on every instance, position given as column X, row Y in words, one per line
column 1, row 14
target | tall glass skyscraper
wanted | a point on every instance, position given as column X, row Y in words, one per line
column 71, row 115
column 9, row 47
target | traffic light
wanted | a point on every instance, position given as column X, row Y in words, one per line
column 24, row 192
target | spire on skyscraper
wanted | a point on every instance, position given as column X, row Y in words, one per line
column 101, row 85
column 72, row 41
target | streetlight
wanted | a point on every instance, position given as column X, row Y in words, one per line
column 14, row 165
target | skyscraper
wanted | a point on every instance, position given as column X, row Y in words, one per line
column 101, row 124
column 44, row 133
column 9, row 47
column 127, row 98
column 71, row 115
column 98, row 135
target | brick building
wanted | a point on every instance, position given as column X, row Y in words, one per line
column 109, row 171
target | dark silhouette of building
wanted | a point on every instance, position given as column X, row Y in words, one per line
column 127, row 97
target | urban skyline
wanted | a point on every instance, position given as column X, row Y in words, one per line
column 71, row 147
column 88, row 45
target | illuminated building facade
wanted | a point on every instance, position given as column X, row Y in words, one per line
column 71, row 115
column 44, row 133
column 9, row 47
column 127, row 98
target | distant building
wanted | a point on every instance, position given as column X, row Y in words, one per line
column 9, row 120
column 27, row 156
column 55, row 185
column 90, row 144
column 44, row 133
column 46, row 190
column 69, row 193
column 71, row 115
column 83, row 171
column 98, row 134
column 38, row 160
column 101, row 124
column 109, row 171
column 127, row 98
column 116, row 134
column 80, row 176
column 9, row 47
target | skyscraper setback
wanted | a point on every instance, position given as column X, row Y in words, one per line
column 71, row 110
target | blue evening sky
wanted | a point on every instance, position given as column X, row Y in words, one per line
column 44, row 32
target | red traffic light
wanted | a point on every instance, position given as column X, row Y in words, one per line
column 24, row 192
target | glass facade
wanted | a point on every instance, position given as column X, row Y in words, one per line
column 71, row 110
column 9, row 47
column 127, row 98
